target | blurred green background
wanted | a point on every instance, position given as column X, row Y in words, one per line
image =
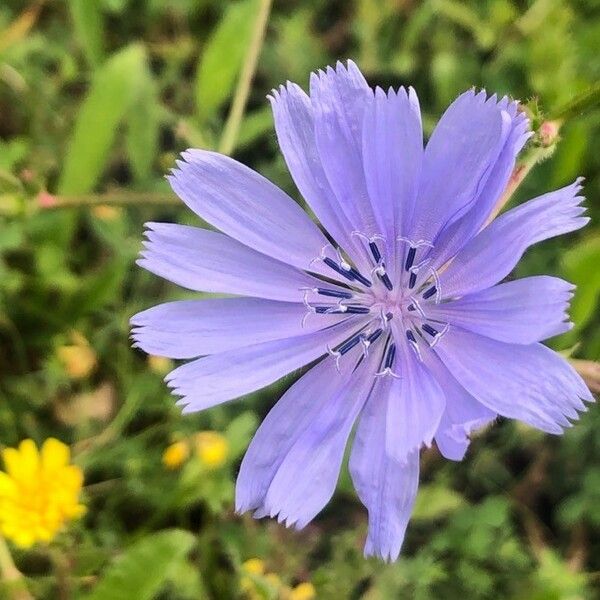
column 97, row 97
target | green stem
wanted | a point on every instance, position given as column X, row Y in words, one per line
column 579, row 105
column 113, row 198
column 238, row 106
column 15, row 582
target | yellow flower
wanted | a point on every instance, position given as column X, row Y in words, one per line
column 303, row 591
column 212, row 448
column 78, row 359
column 39, row 492
column 175, row 455
column 254, row 566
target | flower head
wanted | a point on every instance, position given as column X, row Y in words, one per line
column 175, row 454
column 212, row 448
column 400, row 306
column 39, row 492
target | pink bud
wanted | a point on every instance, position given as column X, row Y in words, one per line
column 46, row 200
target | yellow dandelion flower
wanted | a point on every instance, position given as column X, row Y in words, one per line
column 175, row 455
column 39, row 492
column 212, row 448
column 303, row 591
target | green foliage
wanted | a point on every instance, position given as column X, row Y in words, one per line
column 88, row 22
column 145, row 567
column 97, row 99
column 115, row 88
column 222, row 57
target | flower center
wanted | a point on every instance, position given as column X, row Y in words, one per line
column 374, row 298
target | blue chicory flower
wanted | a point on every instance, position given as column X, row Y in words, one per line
column 398, row 302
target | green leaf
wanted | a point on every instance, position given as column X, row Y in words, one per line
column 222, row 57
column 254, row 125
column 89, row 29
column 115, row 87
column 145, row 567
column 580, row 266
column 239, row 432
column 143, row 129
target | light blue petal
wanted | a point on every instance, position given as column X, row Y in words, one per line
column 415, row 406
column 455, row 235
column 530, row 383
column 191, row 328
column 462, row 414
column 386, row 487
column 458, row 160
column 293, row 463
column 523, row 311
column 217, row 378
column 294, row 123
column 492, row 254
column 339, row 98
column 392, row 156
column 207, row 261
column 247, row 207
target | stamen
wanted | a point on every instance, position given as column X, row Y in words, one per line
column 389, row 363
column 324, row 310
column 374, row 336
column 333, row 293
column 430, row 292
column 367, row 340
column 333, row 265
column 418, row 308
column 429, row 329
column 359, row 277
column 349, row 344
column 389, row 357
column 412, row 341
column 412, row 280
column 336, row 355
column 410, row 258
column 375, row 251
column 379, row 270
column 386, row 281
column 352, row 309
column 411, row 308
column 438, row 336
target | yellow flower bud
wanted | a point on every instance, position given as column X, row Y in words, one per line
column 254, row 566
column 175, row 455
column 303, row 591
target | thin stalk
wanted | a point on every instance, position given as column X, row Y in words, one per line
column 14, row 581
column 238, row 106
column 111, row 198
